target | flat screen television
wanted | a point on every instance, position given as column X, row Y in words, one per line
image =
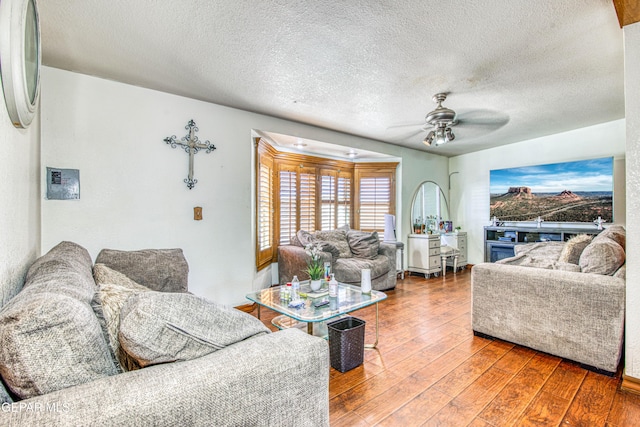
column 578, row 191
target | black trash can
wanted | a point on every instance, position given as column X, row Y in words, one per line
column 346, row 343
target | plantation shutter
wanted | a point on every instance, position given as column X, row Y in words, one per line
column 288, row 196
column 264, row 208
column 307, row 199
column 343, row 194
column 297, row 201
column 335, row 198
column 375, row 197
column 328, row 196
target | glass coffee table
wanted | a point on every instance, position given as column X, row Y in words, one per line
column 350, row 298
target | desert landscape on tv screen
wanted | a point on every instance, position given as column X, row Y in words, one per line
column 561, row 192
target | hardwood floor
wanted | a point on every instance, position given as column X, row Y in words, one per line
column 429, row 370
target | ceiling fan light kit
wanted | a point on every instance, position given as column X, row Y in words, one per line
column 439, row 136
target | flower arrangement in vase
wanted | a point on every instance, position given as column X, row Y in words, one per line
column 315, row 268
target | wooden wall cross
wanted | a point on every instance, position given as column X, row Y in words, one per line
column 191, row 145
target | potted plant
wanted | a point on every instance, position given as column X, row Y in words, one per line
column 315, row 268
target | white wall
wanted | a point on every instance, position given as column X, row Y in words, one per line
column 132, row 194
column 470, row 187
column 632, row 112
column 20, row 201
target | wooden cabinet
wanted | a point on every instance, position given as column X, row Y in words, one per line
column 499, row 241
column 423, row 254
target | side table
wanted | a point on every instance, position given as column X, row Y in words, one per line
column 400, row 246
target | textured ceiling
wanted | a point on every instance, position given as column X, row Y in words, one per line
column 514, row 70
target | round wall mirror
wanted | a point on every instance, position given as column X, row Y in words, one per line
column 428, row 208
column 20, row 57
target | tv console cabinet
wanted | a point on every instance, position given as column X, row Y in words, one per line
column 499, row 241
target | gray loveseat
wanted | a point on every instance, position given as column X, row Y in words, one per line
column 348, row 251
column 564, row 299
column 59, row 368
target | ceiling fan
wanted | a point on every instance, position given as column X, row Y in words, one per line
column 441, row 119
column 439, row 122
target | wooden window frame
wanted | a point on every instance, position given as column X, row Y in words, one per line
column 265, row 157
column 318, row 166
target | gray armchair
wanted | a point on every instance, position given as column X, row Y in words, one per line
column 292, row 261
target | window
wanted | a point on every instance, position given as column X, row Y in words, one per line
column 375, row 195
column 335, row 198
column 297, row 192
column 297, row 198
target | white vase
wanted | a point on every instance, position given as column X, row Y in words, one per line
column 365, row 283
column 316, row 285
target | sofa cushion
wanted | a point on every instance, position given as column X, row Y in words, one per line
column 602, row 256
column 573, row 248
column 51, row 320
column 337, row 238
column 114, row 289
column 50, row 341
column 350, row 270
column 158, row 327
column 621, row 273
column 163, row 270
column 363, row 244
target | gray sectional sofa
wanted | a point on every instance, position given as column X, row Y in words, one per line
column 564, row 299
column 190, row 361
column 348, row 251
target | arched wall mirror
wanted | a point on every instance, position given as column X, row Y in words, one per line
column 428, row 208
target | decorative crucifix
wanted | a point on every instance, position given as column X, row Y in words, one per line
column 191, row 145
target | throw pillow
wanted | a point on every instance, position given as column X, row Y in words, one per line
column 616, row 233
column 363, row 244
column 602, row 256
column 163, row 270
column 328, row 247
column 114, row 290
column 295, row 241
column 305, row 238
column 573, row 248
column 337, row 238
column 158, row 327
column 50, row 338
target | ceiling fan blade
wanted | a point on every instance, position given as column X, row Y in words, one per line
column 482, row 118
column 405, row 125
column 411, row 135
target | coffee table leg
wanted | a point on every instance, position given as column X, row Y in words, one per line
column 375, row 344
column 310, row 328
column 258, row 311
